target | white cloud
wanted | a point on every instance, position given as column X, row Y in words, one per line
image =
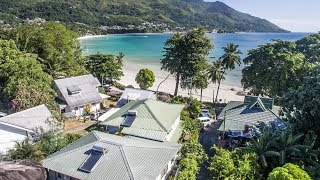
column 298, row 25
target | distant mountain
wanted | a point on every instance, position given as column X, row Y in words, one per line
column 133, row 14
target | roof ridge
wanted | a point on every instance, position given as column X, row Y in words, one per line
column 157, row 120
column 126, row 162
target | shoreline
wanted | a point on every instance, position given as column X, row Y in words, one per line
column 226, row 93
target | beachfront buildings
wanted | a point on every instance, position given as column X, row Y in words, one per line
column 251, row 112
column 149, row 119
column 75, row 93
column 18, row 126
column 130, row 94
column 101, row 156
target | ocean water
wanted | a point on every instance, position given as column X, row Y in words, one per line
column 147, row 49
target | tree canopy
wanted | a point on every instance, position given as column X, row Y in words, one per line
column 184, row 55
column 273, row 68
column 145, row 78
column 22, row 74
column 56, row 46
column 104, row 66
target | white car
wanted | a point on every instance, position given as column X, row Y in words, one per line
column 206, row 121
column 2, row 114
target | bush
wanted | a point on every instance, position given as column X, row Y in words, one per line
column 194, row 108
column 119, row 86
column 288, row 172
column 145, row 78
column 130, row 86
column 234, row 165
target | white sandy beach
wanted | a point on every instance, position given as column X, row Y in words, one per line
column 90, row 37
column 226, row 94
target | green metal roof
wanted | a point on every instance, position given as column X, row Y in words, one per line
column 238, row 114
column 154, row 118
column 125, row 159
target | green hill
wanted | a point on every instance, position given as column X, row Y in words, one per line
column 131, row 14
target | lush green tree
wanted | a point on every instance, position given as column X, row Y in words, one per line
column 201, row 77
column 231, row 56
column 145, row 78
column 190, row 129
column 310, row 47
column 194, row 107
column 47, row 144
column 183, row 53
column 227, row 164
column 56, row 46
column 288, row 172
column 196, row 149
column 104, row 66
column 273, row 68
column 302, row 105
column 21, row 72
column 25, row 150
column 188, row 168
column 216, row 75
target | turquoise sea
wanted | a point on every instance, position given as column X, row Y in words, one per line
column 147, row 49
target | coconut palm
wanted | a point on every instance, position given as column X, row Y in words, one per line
column 120, row 57
column 231, row 56
column 216, row 75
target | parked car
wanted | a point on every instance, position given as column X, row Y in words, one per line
column 206, row 121
column 2, row 114
column 205, row 113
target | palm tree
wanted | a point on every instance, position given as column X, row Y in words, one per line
column 287, row 144
column 120, row 57
column 263, row 146
column 231, row 56
column 216, row 75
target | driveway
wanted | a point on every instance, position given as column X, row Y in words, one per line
column 208, row 138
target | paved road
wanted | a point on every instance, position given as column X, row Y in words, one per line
column 208, row 138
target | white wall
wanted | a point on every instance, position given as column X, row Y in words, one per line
column 9, row 136
column 170, row 167
column 173, row 129
column 81, row 110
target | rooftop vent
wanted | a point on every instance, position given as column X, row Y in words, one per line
column 130, row 117
column 92, row 160
column 73, row 90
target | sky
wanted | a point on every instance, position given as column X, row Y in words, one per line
column 292, row 15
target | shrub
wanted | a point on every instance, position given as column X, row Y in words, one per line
column 234, row 165
column 288, row 172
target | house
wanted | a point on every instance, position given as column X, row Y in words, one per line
column 100, row 156
column 148, row 119
column 130, row 94
column 18, row 126
column 253, row 111
column 75, row 93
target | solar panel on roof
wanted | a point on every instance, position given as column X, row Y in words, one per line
column 127, row 122
column 91, row 160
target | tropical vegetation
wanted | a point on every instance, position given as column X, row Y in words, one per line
column 145, row 78
column 106, row 67
column 288, row 172
column 185, row 55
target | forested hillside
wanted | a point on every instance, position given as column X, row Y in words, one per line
column 132, row 14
